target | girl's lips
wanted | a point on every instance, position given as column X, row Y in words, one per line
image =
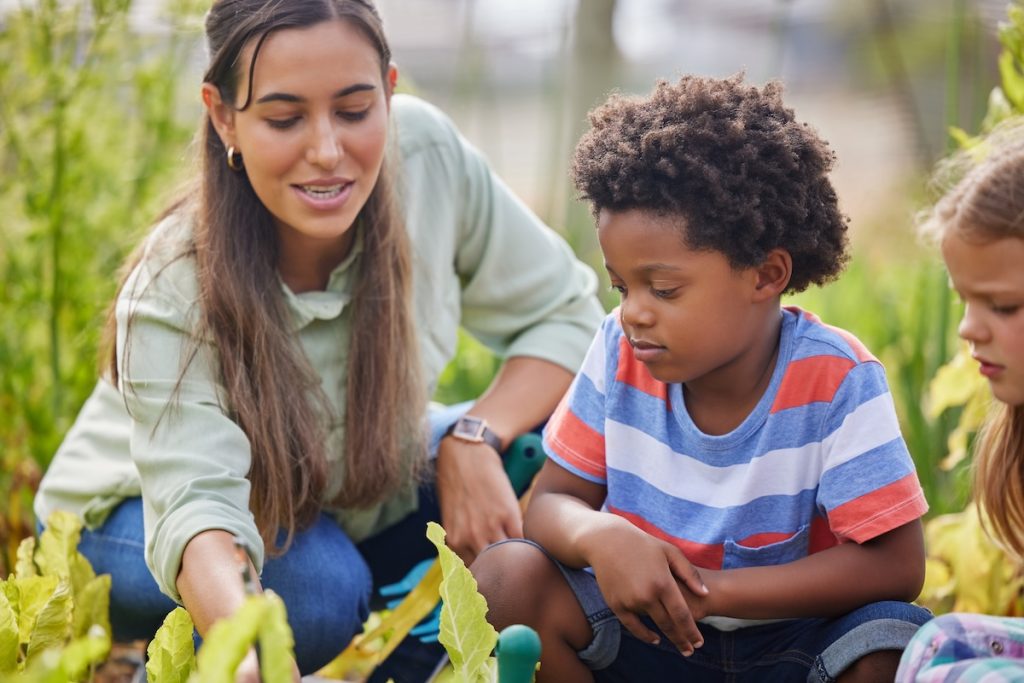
column 989, row 370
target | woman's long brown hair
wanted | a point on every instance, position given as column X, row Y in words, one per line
column 273, row 393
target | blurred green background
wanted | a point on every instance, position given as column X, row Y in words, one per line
column 99, row 102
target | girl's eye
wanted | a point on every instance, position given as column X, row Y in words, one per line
column 1005, row 310
column 281, row 124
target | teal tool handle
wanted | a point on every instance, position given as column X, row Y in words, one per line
column 518, row 653
column 523, row 460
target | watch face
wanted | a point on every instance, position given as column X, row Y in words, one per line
column 469, row 427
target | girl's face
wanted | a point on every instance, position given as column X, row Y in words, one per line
column 989, row 276
column 313, row 137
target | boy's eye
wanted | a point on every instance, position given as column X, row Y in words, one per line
column 282, row 123
column 664, row 293
column 621, row 289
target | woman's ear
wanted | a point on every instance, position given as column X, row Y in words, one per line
column 773, row 275
column 221, row 114
column 392, row 80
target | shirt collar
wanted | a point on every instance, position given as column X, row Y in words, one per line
column 329, row 303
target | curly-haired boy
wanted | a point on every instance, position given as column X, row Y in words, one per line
column 728, row 495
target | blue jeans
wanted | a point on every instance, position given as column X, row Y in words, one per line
column 813, row 650
column 325, row 580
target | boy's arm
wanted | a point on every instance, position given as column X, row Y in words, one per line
column 637, row 572
column 827, row 583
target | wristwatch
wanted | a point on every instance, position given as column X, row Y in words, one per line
column 474, row 430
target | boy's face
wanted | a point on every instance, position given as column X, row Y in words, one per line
column 689, row 315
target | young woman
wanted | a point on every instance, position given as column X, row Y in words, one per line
column 280, row 330
column 980, row 225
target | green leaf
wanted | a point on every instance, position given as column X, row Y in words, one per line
column 171, row 654
column 955, row 383
column 9, row 640
column 58, row 544
column 229, row 641
column 92, row 607
column 52, row 626
column 277, row 645
column 30, row 598
column 82, row 654
column 465, row 633
column 25, row 566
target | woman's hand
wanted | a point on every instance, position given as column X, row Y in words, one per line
column 249, row 670
column 478, row 505
column 638, row 575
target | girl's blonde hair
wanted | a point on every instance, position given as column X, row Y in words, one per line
column 987, row 204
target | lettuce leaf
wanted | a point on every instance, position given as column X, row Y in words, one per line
column 171, row 655
column 465, row 633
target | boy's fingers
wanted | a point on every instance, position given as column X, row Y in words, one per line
column 633, row 624
column 686, row 572
column 673, row 617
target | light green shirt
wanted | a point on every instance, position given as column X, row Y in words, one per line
column 481, row 259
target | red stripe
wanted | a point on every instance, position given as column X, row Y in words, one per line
column 575, row 441
column 699, row 554
column 635, row 374
column 822, row 537
column 810, row 380
column 882, row 510
column 859, row 350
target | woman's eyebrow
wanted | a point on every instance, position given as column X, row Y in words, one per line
column 287, row 97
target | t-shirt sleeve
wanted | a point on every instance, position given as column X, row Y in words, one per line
column 574, row 436
column 869, row 485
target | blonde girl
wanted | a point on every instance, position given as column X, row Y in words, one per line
column 980, row 226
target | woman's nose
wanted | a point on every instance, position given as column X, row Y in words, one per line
column 326, row 148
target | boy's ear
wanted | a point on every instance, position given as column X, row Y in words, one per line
column 221, row 114
column 773, row 275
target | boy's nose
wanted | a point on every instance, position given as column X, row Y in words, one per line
column 634, row 314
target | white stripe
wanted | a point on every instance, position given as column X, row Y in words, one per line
column 594, row 363
column 785, row 471
column 872, row 424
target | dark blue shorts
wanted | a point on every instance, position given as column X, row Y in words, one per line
column 814, row 650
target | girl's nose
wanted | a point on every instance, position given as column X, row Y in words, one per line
column 972, row 327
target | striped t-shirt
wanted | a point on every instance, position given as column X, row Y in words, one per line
column 819, row 461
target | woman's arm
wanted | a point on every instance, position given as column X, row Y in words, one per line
column 827, row 583
column 478, row 506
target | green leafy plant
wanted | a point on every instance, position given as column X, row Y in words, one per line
column 54, row 609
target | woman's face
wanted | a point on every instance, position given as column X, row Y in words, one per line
column 313, row 137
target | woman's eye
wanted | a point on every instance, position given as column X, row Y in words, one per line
column 354, row 115
column 281, row 124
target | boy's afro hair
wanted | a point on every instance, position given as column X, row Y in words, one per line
column 731, row 160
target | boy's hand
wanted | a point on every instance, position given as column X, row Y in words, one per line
column 637, row 574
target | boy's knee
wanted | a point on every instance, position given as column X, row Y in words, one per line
column 873, row 667
column 511, row 576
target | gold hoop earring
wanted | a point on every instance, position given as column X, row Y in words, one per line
column 234, row 159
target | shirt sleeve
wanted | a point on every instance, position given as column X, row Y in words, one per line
column 524, row 292
column 574, row 436
column 869, row 485
column 191, row 457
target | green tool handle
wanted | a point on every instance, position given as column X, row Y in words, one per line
column 518, row 653
column 523, row 460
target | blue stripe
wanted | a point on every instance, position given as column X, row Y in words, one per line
column 587, row 403
column 564, row 465
column 864, row 474
column 703, row 524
